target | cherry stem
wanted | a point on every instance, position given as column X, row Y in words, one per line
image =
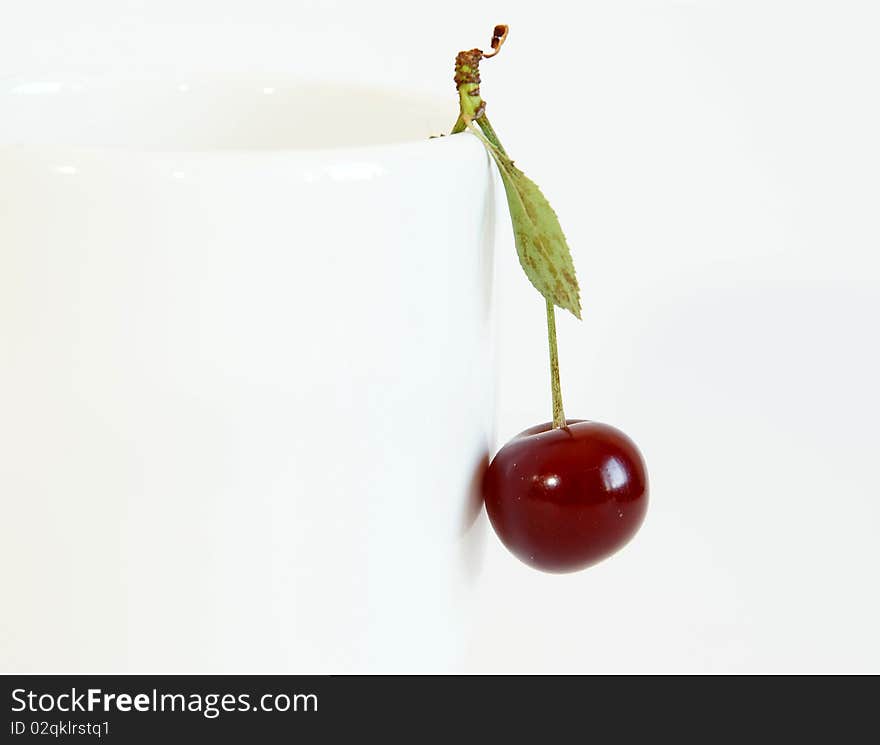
column 473, row 109
column 555, row 387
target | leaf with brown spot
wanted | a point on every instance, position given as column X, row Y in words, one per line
column 540, row 243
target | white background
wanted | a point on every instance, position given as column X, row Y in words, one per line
column 716, row 168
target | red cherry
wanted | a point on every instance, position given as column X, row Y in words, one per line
column 563, row 499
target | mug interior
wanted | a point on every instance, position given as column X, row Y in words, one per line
column 213, row 114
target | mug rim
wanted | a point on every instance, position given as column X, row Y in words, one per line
column 41, row 87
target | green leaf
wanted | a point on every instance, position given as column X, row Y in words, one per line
column 540, row 243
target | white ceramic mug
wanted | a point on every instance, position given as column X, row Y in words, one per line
column 245, row 379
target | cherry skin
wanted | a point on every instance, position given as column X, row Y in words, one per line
column 563, row 499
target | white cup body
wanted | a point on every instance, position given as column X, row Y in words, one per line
column 245, row 398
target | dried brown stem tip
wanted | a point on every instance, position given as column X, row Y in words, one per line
column 499, row 35
column 467, row 82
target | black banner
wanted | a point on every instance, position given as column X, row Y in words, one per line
column 244, row 709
